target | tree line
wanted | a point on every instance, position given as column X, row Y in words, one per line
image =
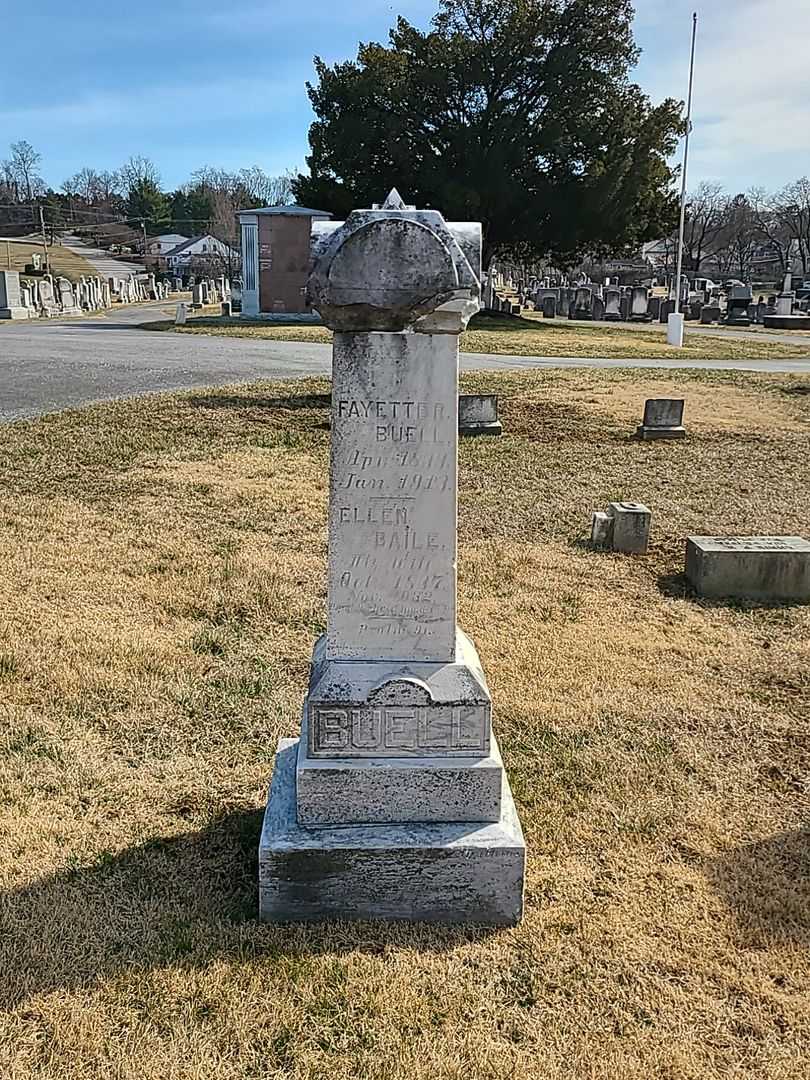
column 115, row 203
column 520, row 114
column 733, row 235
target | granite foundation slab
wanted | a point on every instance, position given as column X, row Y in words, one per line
column 458, row 872
column 768, row 568
column 786, row 322
column 360, row 791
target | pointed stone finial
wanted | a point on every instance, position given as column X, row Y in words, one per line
column 394, row 201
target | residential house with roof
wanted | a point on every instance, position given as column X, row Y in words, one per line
column 203, row 251
column 158, row 246
column 276, row 244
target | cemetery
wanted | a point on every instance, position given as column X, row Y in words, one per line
column 526, row 335
column 573, row 754
column 426, row 698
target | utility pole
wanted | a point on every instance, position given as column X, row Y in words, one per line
column 675, row 325
column 44, row 238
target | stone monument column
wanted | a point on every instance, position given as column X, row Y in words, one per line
column 394, row 802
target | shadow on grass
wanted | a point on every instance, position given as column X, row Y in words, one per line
column 766, row 886
column 676, row 586
column 290, row 402
column 183, row 901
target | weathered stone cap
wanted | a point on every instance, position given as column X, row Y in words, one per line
column 384, row 269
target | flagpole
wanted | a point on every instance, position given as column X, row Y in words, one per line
column 679, row 271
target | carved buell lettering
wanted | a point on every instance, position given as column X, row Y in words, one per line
column 393, row 267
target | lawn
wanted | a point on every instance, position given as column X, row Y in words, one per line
column 162, row 579
column 527, row 337
column 63, row 262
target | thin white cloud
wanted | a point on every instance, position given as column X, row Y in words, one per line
column 751, row 109
column 159, row 107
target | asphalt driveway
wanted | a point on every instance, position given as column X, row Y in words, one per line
column 61, row 363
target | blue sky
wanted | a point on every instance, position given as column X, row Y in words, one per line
column 197, row 82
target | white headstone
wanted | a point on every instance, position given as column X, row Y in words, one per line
column 396, row 727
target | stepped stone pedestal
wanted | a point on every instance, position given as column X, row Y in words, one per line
column 11, row 305
column 394, row 802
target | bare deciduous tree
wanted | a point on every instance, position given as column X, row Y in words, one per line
column 24, row 162
column 706, row 218
column 137, row 171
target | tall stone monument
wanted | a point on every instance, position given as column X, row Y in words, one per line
column 394, row 802
column 11, row 305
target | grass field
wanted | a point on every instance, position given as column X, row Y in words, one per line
column 527, row 337
column 63, row 262
column 162, row 580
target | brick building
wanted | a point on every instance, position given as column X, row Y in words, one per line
column 275, row 258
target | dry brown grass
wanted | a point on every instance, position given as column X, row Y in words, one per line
column 63, row 262
column 529, row 337
column 161, row 584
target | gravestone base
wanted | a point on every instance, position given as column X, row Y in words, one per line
column 772, row 569
column 456, row 872
column 648, row 432
column 13, row 313
column 482, row 428
column 786, row 322
column 362, row 791
column 478, row 415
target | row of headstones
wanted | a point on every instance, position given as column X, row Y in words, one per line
column 48, row 296
column 768, row 568
column 209, row 291
column 663, row 417
column 636, row 303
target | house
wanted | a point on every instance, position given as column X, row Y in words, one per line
column 276, row 244
column 201, row 249
column 159, row 246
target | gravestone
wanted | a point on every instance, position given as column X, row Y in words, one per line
column 767, row 568
column 197, row 297
column 46, row 296
column 478, row 414
column 180, row 315
column 601, row 529
column 613, row 300
column 624, row 527
column 67, row 299
column 393, row 803
column 630, row 533
column 663, row 419
column 738, row 297
column 653, row 308
column 225, row 309
column 583, row 303
column 11, row 305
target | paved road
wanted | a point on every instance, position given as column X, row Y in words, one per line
column 752, row 333
column 57, row 364
column 102, row 262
